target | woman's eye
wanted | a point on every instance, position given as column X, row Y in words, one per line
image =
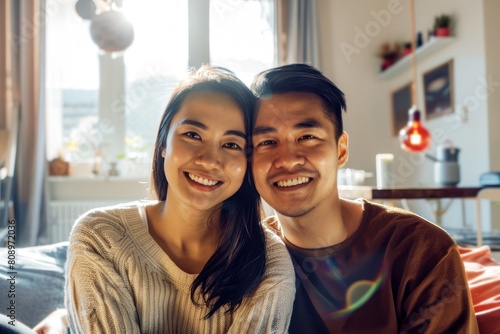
column 232, row 146
column 193, row 135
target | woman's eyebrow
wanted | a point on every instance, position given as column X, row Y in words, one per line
column 204, row 127
column 235, row 133
column 195, row 123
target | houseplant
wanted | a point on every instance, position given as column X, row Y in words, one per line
column 442, row 25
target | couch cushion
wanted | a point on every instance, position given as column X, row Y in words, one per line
column 38, row 285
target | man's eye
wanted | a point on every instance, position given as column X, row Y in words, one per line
column 193, row 135
column 307, row 137
column 266, row 143
column 232, row 146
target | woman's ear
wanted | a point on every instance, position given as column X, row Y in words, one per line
column 343, row 149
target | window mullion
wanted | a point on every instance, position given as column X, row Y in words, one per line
column 112, row 106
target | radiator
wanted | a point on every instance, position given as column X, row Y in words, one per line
column 62, row 216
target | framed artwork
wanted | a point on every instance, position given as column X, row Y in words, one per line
column 438, row 90
column 401, row 103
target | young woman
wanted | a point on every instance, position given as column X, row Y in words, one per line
column 197, row 260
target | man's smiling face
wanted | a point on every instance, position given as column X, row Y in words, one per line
column 296, row 156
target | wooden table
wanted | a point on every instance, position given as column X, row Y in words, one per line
column 429, row 193
column 425, row 192
column 434, row 193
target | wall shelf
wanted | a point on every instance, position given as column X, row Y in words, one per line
column 424, row 51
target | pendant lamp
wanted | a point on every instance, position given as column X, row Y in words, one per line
column 109, row 28
column 414, row 137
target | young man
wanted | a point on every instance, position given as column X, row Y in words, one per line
column 361, row 267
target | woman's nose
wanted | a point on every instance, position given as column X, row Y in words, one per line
column 208, row 157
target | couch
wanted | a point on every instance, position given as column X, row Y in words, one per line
column 39, row 283
column 34, row 286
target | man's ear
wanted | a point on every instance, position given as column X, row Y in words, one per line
column 343, row 149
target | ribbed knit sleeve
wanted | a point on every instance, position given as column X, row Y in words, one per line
column 98, row 296
column 118, row 280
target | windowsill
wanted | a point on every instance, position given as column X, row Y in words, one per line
column 97, row 188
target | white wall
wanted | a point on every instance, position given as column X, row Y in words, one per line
column 368, row 119
column 492, row 30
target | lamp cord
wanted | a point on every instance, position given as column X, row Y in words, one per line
column 413, row 55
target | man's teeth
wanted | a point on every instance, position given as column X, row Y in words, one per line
column 203, row 181
column 293, row 182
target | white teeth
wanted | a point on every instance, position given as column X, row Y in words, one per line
column 293, row 182
column 203, row 181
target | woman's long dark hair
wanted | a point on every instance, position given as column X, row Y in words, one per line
column 238, row 264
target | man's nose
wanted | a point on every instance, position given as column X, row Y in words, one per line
column 208, row 157
column 288, row 156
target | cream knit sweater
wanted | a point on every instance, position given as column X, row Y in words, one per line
column 118, row 280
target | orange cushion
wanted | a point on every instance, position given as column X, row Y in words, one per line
column 483, row 276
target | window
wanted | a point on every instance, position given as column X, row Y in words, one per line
column 105, row 108
column 242, row 36
column 72, row 79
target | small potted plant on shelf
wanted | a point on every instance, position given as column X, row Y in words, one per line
column 389, row 55
column 442, row 25
column 406, row 48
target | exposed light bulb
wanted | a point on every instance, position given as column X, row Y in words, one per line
column 414, row 137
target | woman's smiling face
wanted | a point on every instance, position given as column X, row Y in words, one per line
column 205, row 160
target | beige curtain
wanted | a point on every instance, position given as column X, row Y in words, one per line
column 297, row 32
column 5, row 65
column 21, row 85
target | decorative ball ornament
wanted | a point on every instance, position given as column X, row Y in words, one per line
column 111, row 31
column 85, row 9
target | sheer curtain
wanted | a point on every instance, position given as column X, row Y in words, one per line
column 21, row 64
column 297, row 36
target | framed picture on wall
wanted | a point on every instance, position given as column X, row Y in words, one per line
column 438, row 90
column 401, row 103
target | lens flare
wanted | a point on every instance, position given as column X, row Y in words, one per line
column 357, row 295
